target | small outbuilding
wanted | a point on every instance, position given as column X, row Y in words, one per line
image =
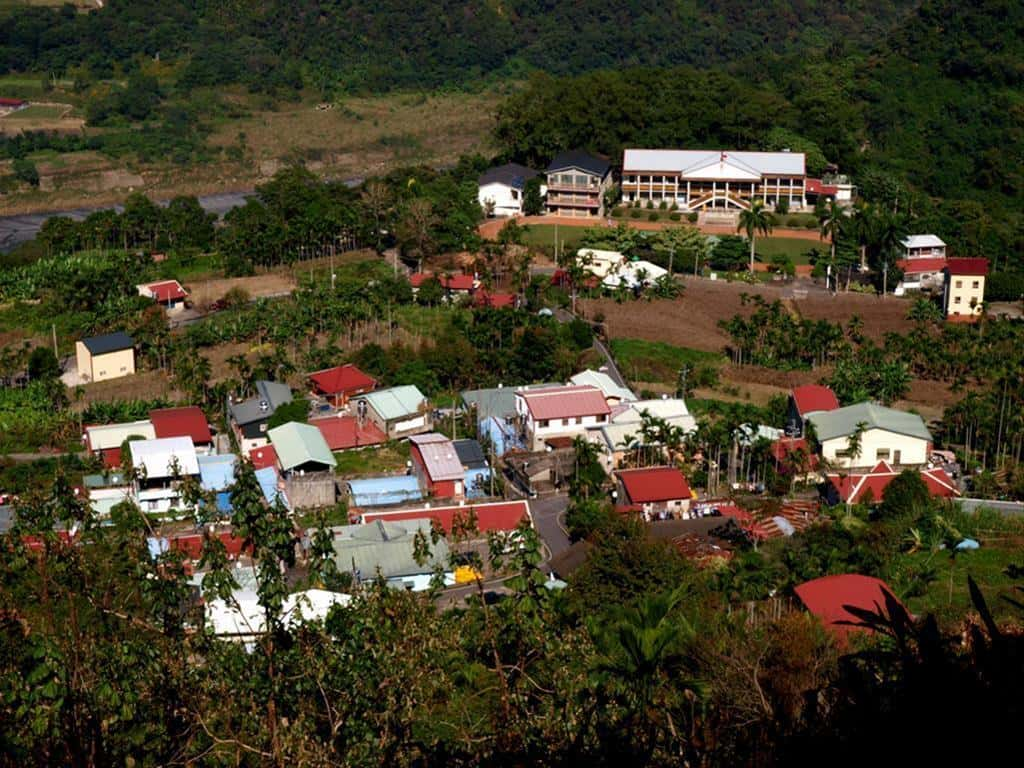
column 109, row 356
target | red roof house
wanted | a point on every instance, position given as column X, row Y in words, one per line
column 858, row 488
column 344, row 433
column 497, row 516
column 828, row 598
column 189, row 421
column 926, row 265
column 169, row 293
column 655, row 490
column 340, row 383
column 452, row 283
column 558, row 412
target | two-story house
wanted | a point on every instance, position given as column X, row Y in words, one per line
column 924, row 258
column 559, row 412
column 250, row 417
column 965, row 288
column 500, row 190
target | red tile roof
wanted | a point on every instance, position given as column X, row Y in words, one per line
column 189, row 421
column 167, row 290
column 495, row 300
column 8, row 102
column 856, row 487
column 344, row 432
column 974, row 267
column 814, row 397
column 918, row 266
column 644, row 486
column 111, row 457
column 817, row 187
column 565, row 402
column 453, row 283
column 264, row 457
column 828, row 597
column 191, row 544
column 499, row 516
column 342, row 379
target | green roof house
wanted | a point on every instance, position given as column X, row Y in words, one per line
column 301, row 448
column 388, row 550
column 398, row 411
column 864, row 434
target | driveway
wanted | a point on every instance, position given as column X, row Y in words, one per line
column 548, row 518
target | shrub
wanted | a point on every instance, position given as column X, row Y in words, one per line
column 663, row 206
column 674, row 216
column 692, row 217
column 1004, row 286
column 652, row 216
column 810, row 224
column 635, row 214
column 650, row 205
column 674, row 207
column 782, row 207
column 793, row 221
column 617, row 213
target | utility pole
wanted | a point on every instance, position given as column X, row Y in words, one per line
column 682, row 380
column 56, row 354
column 671, row 258
column 885, row 277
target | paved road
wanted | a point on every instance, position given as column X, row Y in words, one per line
column 548, row 518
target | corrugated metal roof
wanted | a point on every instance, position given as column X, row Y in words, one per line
column 108, row 342
column 842, row 422
column 498, row 401
column 158, row 456
column 923, row 241
column 298, row 444
column 342, row 378
column 107, row 436
column 189, row 421
column 814, row 397
column 497, row 516
column 268, row 480
column 681, row 160
column 387, row 548
column 653, row 484
column 439, row 456
column 381, row 491
column 511, row 175
column 604, row 382
column 565, row 402
column 577, row 158
column 217, row 473
column 273, row 393
column 395, row 402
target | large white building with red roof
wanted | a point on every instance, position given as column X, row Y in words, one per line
column 559, row 412
column 869, row 487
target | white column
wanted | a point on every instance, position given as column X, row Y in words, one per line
column 688, row 198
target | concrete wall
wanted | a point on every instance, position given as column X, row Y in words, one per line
column 311, row 490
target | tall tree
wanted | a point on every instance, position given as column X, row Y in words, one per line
column 753, row 220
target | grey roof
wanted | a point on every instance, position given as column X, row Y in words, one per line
column 395, row 402
column 6, row 518
column 389, row 547
column 510, row 174
column 108, row 342
column 471, row 454
column 842, row 422
column 439, row 456
column 688, row 160
column 577, row 158
column 273, row 393
column 496, row 401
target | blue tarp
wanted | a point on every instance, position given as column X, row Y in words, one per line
column 381, row 491
column 267, row 478
column 501, row 434
column 216, row 473
column 968, row 544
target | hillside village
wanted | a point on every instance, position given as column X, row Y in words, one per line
column 677, row 421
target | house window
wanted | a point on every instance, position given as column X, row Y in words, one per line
column 956, row 299
column 565, row 422
column 543, row 423
column 602, row 417
column 959, row 283
column 882, row 453
column 974, row 284
column 842, row 454
column 579, row 419
column 515, row 194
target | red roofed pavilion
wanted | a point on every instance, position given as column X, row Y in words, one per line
column 340, row 383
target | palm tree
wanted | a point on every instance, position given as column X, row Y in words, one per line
column 863, row 222
column 832, row 221
column 854, row 442
column 756, row 219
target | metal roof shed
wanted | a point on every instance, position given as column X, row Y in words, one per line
column 300, row 446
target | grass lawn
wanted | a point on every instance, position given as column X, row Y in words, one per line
column 544, row 234
column 38, row 112
column 424, row 321
column 793, row 247
column 388, row 458
column 656, row 361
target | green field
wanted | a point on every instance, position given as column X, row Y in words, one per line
column 38, row 112
column 656, row 361
column 793, row 247
column 544, row 235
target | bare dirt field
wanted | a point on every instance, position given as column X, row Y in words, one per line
column 147, row 385
column 206, row 292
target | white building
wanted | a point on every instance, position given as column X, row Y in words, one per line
column 560, row 412
column 633, row 275
column 896, row 437
column 599, row 263
column 160, row 466
column 500, row 190
column 923, row 247
column 624, row 430
column 613, row 393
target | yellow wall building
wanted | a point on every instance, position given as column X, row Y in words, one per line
column 965, row 288
column 105, row 357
